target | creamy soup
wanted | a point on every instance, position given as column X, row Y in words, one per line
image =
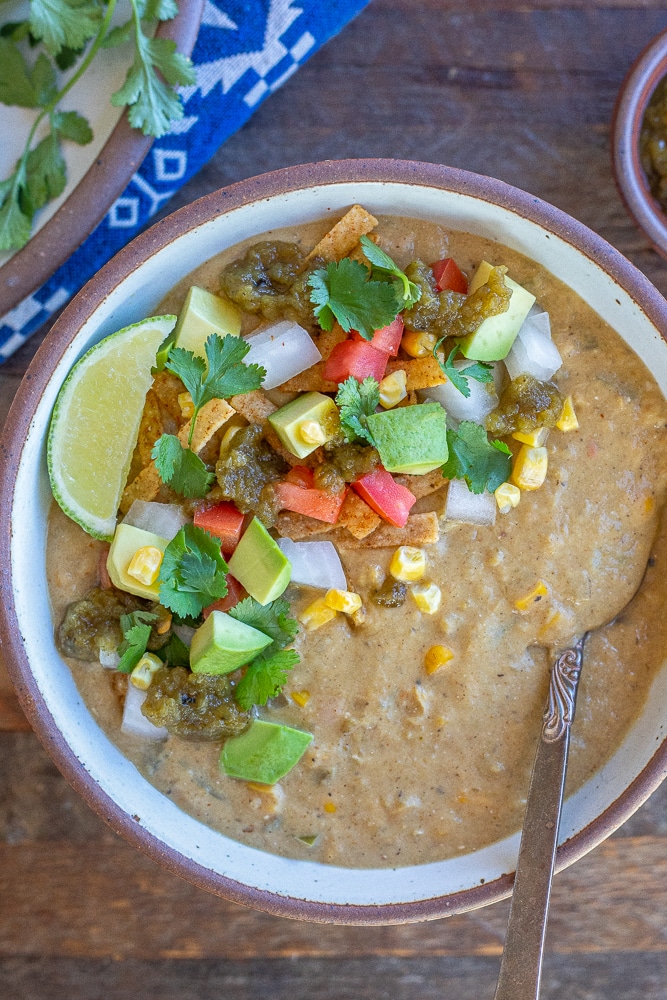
column 409, row 767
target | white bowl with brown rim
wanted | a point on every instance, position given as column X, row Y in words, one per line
column 129, row 288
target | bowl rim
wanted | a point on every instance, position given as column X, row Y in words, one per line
column 49, row 354
column 644, row 75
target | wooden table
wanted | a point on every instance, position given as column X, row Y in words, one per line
column 516, row 89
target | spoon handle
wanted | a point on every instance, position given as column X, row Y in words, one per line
column 521, row 964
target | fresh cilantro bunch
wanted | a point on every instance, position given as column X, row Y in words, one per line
column 482, row 463
column 265, row 677
column 193, row 573
column 356, row 401
column 68, row 31
column 223, row 374
column 136, row 629
column 479, row 371
column 361, row 298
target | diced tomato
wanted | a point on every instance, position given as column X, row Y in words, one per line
column 356, row 358
column 449, row 276
column 388, row 339
column 235, row 593
column 313, row 503
column 388, row 498
column 301, row 475
column 225, row 521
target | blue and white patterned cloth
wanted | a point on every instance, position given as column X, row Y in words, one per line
column 244, row 51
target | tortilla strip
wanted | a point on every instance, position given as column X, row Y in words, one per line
column 145, row 486
column 310, row 381
column 150, row 428
column 357, row 516
column 421, row 529
column 423, row 486
column 255, row 406
column 299, row 526
column 421, row 373
column 328, row 339
column 167, row 387
column 345, row 235
column 210, row 419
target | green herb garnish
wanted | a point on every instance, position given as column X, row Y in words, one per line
column 356, row 401
column 484, row 464
column 136, row 629
column 64, row 28
column 344, row 291
column 384, row 268
column 184, row 471
column 266, row 676
column 478, row 370
column 193, row 573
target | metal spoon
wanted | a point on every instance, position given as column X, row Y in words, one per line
column 521, row 964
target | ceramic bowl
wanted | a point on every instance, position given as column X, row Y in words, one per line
column 645, row 74
column 129, row 288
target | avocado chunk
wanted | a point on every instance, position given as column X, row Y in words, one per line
column 411, row 439
column 259, row 565
column 222, row 644
column 307, row 422
column 265, row 752
column 203, row 314
column 127, row 540
column 494, row 337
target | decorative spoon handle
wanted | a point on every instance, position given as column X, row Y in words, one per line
column 521, row 964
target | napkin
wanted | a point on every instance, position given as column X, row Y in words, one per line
column 245, row 50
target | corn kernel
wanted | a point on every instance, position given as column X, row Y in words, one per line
column 530, row 467
column 393, row 388
column 342, row 600
column 427, row 597
column 568, row 418
column 316, row 615
column 163, row 625
column 554, row 620
column 145, row 564
column 437, row 657
column 301, row 698
column 418, row 343
column 142, row 675
column 408, row 563
column 539, row 591
column 536, row 438
column 227, row 437
column 329, row 807
column 359, row 617
column 186, row 404
column 507, row 496
column 312, row 432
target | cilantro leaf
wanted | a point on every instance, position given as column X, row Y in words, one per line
column 479, row 371
column 174, row 652
column 265, row 678
column 16, row 86
column 180, row 468
column 46, row 174
column 344, row 291
column 64, row 23
column 383, row 265
column 73, row 126
column 136, row 629
column 482, row 463
column 272, row 619
column 14, row 223
column 193, row 573
column 153, row 104
column 356, row 401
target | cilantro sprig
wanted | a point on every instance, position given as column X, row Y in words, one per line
column 193, row 573
column 266, row 676
column 344, row 291
column 484, row 464
column 478, row 370
column 356, row 401
column 384, row 268
column 71, row 31
column 136, row 629
column 222, row 374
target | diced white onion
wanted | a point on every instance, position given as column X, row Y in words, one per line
column 163, row 519
column 134, row 722
column 109, row 658
column 534, row 352
column 476, row 406
column 314, row 564
column 468, row 507
column 285, row 349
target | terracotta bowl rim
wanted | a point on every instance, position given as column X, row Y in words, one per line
column 255, row 189
column 636, row 91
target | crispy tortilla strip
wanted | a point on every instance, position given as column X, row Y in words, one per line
column 421, row 373
column 210, row 419
column 357, row 516
column 150, row 428
column 423, row 486
column 298, row 526
column 328, row 339
column 345, row 235
column 167, row 388
column 255, row 406
column 145, row 486
column 309, row 381
column 421, row 529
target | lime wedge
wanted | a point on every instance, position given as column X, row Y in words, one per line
column 96, row 420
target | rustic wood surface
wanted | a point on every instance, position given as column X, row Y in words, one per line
column 517, row 89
